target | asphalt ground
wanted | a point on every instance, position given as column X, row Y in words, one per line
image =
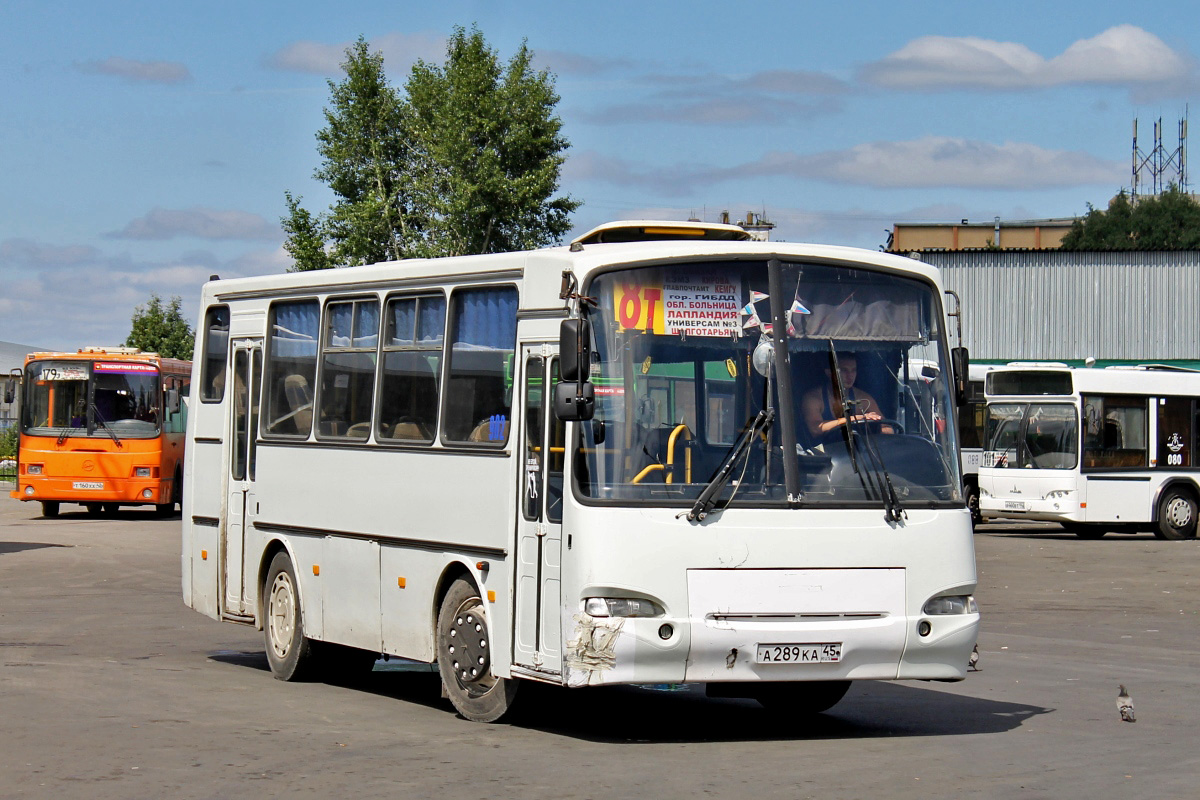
column 111, row 688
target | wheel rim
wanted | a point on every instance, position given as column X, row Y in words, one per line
column 468, row 650
column 281, row 615
column 1179, row 513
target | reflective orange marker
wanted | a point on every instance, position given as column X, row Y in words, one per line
column 491, row 596
column 401, row 582
column 316, row 569
column 204, row 555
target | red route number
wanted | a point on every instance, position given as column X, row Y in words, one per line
column 639, row 307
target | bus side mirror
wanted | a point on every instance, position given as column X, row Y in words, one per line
column 574, row 403
column 575, row 349
column 173, row 400
column 10, row 391
column 961, row 361
column 575, row 397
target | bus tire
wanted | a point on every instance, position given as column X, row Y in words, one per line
column 464, row 656
column 1177, row 514
column 289, row 652
column 110, row 509
column 800, row 697
column 973, row 505
column 49, row 509
column 93, row 509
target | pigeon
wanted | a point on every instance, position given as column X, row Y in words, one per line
column 1125, row 705
column 973, row 663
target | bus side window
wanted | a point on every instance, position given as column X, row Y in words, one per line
column 348, row 368
column 414, row 332
column 215, row 353
column 478, row 401
column 291, row 366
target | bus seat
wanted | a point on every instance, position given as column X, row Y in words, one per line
column 483, row 432
column 300, row 401
column 359, row 430
column 409, row 430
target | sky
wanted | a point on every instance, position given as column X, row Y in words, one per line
column 145, row 146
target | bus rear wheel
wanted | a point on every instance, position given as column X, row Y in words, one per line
column 464, row 656
column 289, row 651
column 801, row 697
column 1177, row 514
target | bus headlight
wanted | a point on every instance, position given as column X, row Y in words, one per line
column 620, row 607
column 142, row 472
column 1056, row 494
column 951, row 604
column 33, row 469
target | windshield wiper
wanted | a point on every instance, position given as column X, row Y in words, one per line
column 877, row 477
column 757, row 426
column 103, row 424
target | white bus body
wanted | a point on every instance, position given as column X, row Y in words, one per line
column 1097, row 450
column 970, row 432
column 355, row 489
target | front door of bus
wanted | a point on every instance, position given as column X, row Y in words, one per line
column 243, row 403
column 537, row 635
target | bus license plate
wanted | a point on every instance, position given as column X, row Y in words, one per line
column 824, row 652
column 87, row 485
column 1014, row 505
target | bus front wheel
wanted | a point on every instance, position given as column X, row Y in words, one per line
column 801, row 697
column 464, row 656
column 289, row 651
column 49, row 509
column 1177, row 514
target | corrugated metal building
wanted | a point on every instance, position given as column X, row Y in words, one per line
column 1055, row 305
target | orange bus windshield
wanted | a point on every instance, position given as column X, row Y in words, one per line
column 92, row 398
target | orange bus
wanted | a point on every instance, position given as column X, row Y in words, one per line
column 103, row 427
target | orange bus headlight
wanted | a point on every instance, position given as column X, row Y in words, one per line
column 33, row 469
column 145, row 472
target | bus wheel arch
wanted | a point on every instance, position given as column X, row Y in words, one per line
column 1176, row 511
column 463, row 645
column 290, row 653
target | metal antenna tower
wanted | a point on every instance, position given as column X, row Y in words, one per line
column 1157, row 169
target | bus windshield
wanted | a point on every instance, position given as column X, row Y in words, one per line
column 1032, row 436
column 683, row 367
column 91, row 398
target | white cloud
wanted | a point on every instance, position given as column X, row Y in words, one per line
column 563, row 62
column 939, row 161
column 203, row 223
column 400, row 51
column 44, row 284
column 762, row 98
column 1125, row 55
column 138, row 71
column 933, row 161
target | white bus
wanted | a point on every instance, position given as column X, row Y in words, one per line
column 1096, row 450
column 584, row 466
column 971, row 433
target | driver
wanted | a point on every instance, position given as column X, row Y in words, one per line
column 822, row 408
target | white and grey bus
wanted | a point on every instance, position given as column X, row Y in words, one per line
column 1096, row 450
column 587, row 465
column 971, row 433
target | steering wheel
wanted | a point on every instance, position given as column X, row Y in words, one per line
column 895, row 425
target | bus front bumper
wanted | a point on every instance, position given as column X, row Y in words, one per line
column 90, row 490
column 791, row 625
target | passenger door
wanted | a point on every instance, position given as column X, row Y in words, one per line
column 537, row 635
column 238, row 601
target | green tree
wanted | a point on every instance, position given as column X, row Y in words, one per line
column 465, row 160
column 161, row 329
column 1168, row 221
column 490, row 150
